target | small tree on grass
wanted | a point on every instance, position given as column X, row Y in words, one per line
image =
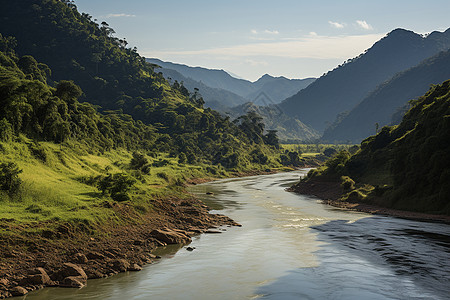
column 9, row 177
column 116, row 185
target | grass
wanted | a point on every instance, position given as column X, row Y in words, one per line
column 309, row 150
column 58, row 187
column 59, row 181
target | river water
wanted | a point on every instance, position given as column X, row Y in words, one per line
column 289, row 247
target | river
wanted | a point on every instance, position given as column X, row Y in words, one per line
column 289, row 247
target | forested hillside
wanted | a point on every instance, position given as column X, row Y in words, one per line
column 383, row 105
column 119, row 80
column 342, row 89
column 405, row 167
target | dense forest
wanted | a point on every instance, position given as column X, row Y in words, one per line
column 405, row 166
column 96, row 122
column 89, row 64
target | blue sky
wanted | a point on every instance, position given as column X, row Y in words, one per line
column 295, row 39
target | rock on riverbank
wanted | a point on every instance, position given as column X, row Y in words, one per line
column 68, row 255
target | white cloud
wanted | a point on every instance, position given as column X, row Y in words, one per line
column 255, row 63
column 312, row 33
column 267, row 31
column 271, row 31
column 336, row 24
column 120, row 16
column 364, row 25
column 311, row 46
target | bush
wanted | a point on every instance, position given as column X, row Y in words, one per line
column 38, row 151
column 356, row 196
column 6, row 131
column 138, row 161
column 163, row 176
column 182, row 158
column 9, row 177
column 347, row 183
column 161, row 163
column 116, row 186
column 336, row 164
column 258, row 157
column 329, row 152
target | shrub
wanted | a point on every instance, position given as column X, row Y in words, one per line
column 9, row 177
column 6, row 131
column 347, row 183
column 336, row 164
column 182, row 158
column 161, row 163
column 138, row 161
column 38, row 151
column 163, row 176
column 356, row 196
column 329, row 152
column 116, row 186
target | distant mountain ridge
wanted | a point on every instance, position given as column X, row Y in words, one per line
column 343, row 88
column 215, row 98
column 220, row 91
column 276, row 88
column 380, row 106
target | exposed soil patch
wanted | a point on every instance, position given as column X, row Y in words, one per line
column 33, row 256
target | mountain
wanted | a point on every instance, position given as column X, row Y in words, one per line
column 214, row 98
column 390, row 97
column 287, row 128
column 341, row 89
column 265, row 91
column 405, row 167
column 213, row 78
column 276, row 89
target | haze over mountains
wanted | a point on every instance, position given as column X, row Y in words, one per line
column 235, row 97
column 275, row 89
column 381, row 105
column 342, row 89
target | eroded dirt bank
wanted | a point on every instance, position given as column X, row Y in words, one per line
column 36, row 255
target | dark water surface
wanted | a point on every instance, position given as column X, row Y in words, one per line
column 290, row 247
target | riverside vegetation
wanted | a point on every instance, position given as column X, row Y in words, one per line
column 96, row 148
column 404, row 167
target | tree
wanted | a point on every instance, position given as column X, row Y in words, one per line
column 271, row 138
column 116, row 185
column 6, row 130
column 9, row 177
column 182, row 158
column 251, row 124
column 68, row 91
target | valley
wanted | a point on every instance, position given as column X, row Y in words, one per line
column 142, row 162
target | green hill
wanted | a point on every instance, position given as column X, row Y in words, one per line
column 84, row 120
column 404, row 167
column 119, row 80
column 389, row 98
